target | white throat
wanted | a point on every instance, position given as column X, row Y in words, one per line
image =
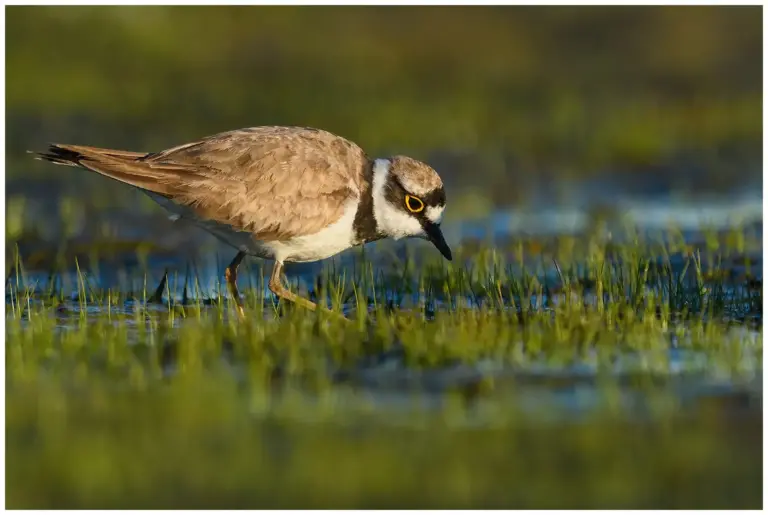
column 390, row 220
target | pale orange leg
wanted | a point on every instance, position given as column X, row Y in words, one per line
column 231, row 275
column 276, row 287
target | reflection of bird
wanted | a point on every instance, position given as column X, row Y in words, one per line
column 282, row 193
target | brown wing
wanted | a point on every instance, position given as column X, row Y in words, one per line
column 274, row 182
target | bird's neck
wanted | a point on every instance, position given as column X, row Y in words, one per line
column 365, row 225
column 390, row 221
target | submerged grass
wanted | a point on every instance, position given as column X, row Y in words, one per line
column 438, row 395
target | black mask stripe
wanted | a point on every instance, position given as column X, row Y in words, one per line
column 435, row 197
column 395, row 194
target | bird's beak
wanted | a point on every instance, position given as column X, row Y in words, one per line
column 435, row 235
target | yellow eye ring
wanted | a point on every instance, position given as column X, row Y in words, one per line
column 414, row 204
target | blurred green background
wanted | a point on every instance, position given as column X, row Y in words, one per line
column 500, row 99
column 512, row 105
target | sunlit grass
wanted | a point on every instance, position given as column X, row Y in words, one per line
column 161, row 397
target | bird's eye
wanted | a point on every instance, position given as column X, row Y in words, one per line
column 414, row 204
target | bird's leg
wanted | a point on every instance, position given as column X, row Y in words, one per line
column 231, row 275
column 276, row 287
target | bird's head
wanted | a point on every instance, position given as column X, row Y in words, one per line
column 409, row 200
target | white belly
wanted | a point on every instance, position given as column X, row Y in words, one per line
column 325, row 243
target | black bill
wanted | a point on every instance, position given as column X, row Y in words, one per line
column 435, row 235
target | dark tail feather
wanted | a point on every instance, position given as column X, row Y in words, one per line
column 59, row 156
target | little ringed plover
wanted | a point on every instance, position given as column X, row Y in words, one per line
column 290, row 194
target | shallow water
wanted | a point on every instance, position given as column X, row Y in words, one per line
column 387, row 382
column 538, row 387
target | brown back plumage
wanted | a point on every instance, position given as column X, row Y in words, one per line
column 273, row 182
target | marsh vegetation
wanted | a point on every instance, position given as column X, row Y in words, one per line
column 631, row 376
column 596, row 342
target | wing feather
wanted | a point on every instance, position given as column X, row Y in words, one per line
column 274, row 182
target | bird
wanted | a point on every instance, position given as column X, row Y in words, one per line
column 287, row 194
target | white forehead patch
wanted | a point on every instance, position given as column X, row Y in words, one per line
column 435, row 214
